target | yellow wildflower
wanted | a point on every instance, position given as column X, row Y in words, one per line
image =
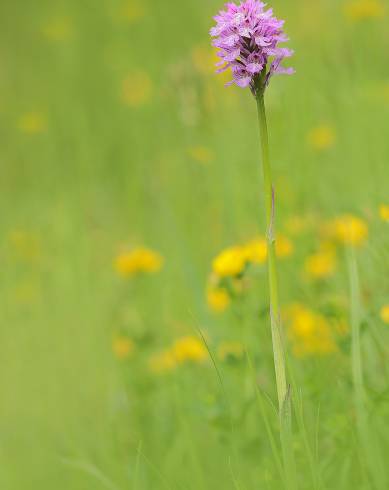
column 384, row 212
column 230, row 262
column 309, row 332
column 32, row 123
column 256, row 251
column 218, row 299
column 321, row 264
column 137, row 89
column 189, row 349
column 322, row 137
column 123, row 347
column 137, row 261
column 58, row 30
column 200, row 154
column 350, row 230
column 385, row 314
column 230, row 350
column 162, row 362
column 303, row 321
column 284, row 247
column 185, row 349
column 364, row 9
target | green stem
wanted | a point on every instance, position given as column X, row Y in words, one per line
column 278, row 348
column 284, row 402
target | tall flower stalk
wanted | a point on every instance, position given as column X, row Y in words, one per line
column 275, row 316
column 247, row 37
column 283, row 395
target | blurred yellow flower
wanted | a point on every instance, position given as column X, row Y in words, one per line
column 321, row 264
column 364, row 9
column 350, row 230
column 322, row 137
column 384, row 212
column 309, row 332
column 59, row 29
column 138, row 261
column 185, row 349
column 385, row 314
column 230, row 262
column 284, row 247
column 123, row 347
column 132, row 11
column 162, row 362
column 137, row 89
column 200, row 154
column 230, row 350
column 189, row 349
column 218, row 299
column 32, row 123
column 256, row 251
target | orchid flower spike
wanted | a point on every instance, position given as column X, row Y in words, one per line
column 247, row 37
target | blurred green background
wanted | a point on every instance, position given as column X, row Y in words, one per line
column 116, row 134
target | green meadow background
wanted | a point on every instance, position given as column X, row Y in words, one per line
column 115, row 134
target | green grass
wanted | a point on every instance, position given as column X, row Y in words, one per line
column 103, row 174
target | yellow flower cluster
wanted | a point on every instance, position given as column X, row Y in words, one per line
column 138, row 261
column 309, row 332
column 350, row 230
column 346, row 229
column 231, row 263
column 183, row 350
column 256, row 251
column 364, row 9
column 384, row 212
